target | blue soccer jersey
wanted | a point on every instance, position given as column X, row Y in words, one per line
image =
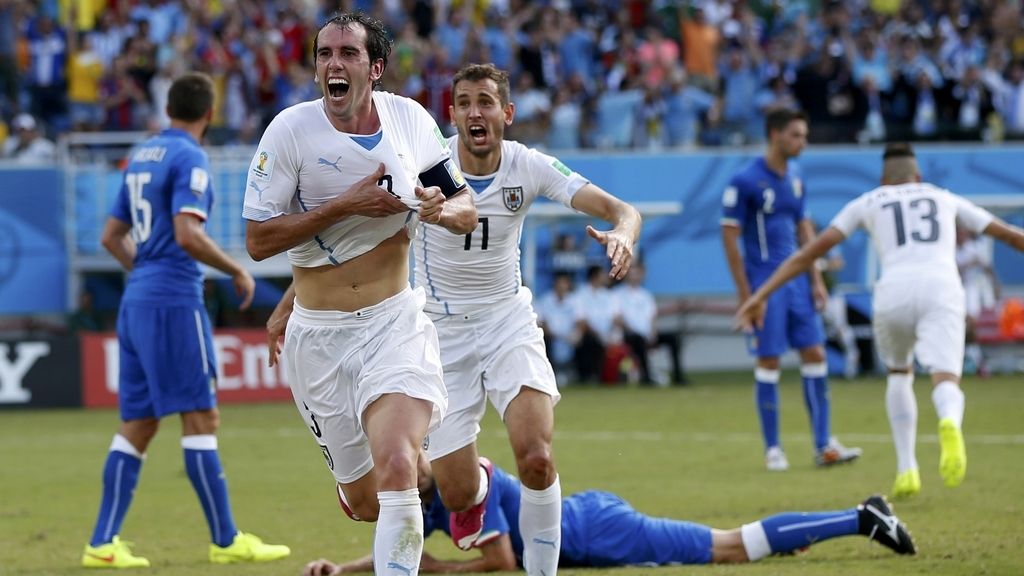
column 598, row 529
column 767, row 207
column 166, row 362
column 166, row 175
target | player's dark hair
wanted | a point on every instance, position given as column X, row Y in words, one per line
column 378, row 42
column 779, row 118
column 478, row 72
column 898, row 150
column 190, row 97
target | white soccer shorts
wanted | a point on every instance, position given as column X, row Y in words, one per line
column 491, row 354
column 922, row 317
column 340, row 362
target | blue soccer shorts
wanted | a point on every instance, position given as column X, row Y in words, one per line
column 790, row 319
column 167, row 362
column 606, row 531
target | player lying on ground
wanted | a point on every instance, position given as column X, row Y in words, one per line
column 601, row 529
column 918, row 300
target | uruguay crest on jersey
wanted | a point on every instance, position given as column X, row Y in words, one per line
column 512, row 196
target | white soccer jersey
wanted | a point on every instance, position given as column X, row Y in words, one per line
column 912, row 227
column 467, row 272
column 303, row 161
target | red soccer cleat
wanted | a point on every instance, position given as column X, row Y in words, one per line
column 467, row 526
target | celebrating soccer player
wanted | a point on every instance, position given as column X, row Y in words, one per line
column 918, row 301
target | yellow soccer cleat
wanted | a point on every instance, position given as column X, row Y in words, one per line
column 908, row 483
column 247, row 548
column 953, row 458
column 115, row 554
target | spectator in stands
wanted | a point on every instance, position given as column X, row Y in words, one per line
column 602, row 328
column 26, row 145
column 650, row 113
column 1008, row 94
column 610, row 47
column 122, row 97
column 565, row 120
column 701, row 40
column 85, row 70
column 560, row 317
column 971, row 103
column 47, row 84
column 741, row 121
column 686, row 107
column 9, row 12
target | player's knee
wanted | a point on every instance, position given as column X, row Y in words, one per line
column 536, row 466
column 140, row 432
column 395, row 471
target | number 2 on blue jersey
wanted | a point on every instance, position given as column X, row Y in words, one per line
column 142, row 210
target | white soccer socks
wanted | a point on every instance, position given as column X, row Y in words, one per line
column 901, row 405
column 398, row 540
column 540, row 522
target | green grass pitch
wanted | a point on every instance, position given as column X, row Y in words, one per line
column 690, row 453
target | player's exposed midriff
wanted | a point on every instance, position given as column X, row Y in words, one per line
column 360, row 282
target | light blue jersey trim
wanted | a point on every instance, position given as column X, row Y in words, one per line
column 368, row 142
column 478, row 184
column 330, row 252
column 426, row 270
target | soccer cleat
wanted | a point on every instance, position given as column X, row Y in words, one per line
column 115, row 554
column 953, row 458
column 466, row 526
column 878, row 523
column 907, row 484
column 835, row 453
column 775, row 460
column 247, row 548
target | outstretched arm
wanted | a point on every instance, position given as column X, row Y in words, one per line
column 805, row 233
column 625, row 221
column 495, row 556
column 1006, row 233
column 751, row 313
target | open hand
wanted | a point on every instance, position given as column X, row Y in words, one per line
column 619, row 247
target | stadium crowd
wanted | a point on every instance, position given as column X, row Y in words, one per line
column 586, row 73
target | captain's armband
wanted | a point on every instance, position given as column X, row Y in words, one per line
column 446, row 176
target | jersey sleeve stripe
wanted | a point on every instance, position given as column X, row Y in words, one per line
column 729, row 222
column 194, row 211
column 250, row 213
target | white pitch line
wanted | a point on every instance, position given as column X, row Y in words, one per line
column 561, row 435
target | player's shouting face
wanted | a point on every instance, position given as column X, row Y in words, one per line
column 480, row 116
column 344, row 70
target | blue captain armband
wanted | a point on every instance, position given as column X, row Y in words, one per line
column 446, row 176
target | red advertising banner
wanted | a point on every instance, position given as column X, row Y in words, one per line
column 242, row 371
